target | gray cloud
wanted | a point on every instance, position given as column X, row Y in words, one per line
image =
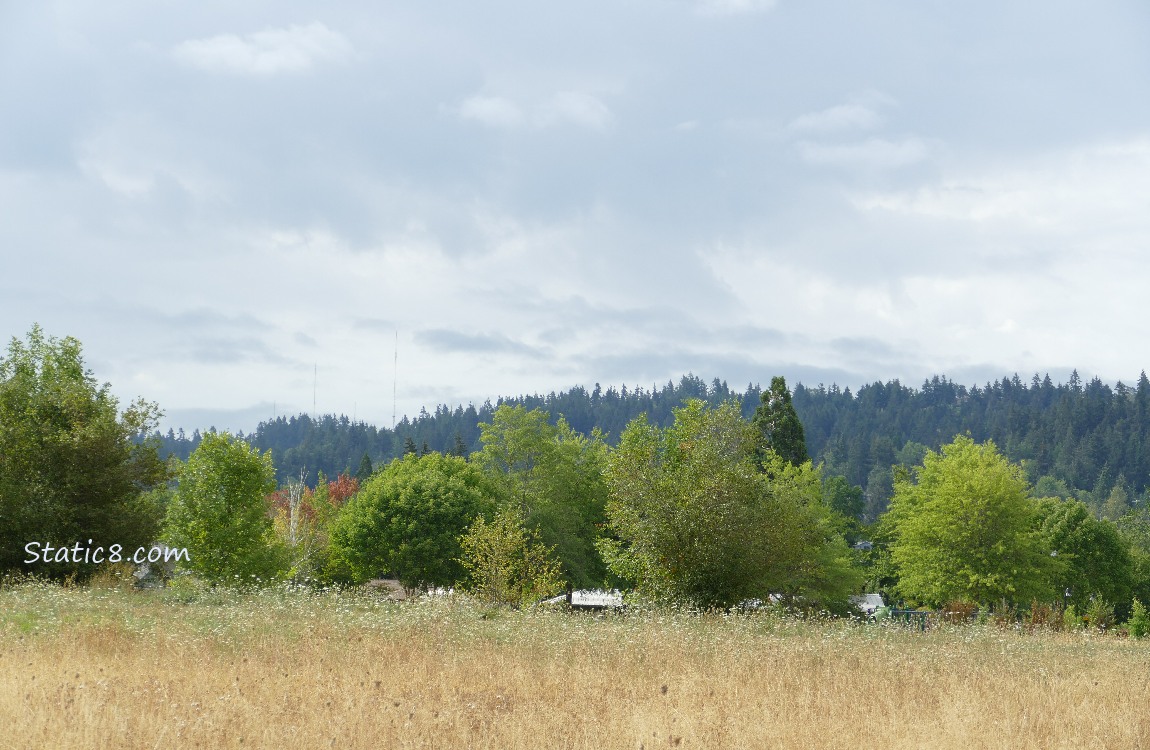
column 456, row 342
column 231, row 420
column 216, row 197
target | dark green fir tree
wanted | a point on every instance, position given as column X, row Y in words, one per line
column 779, row 425
column 365, row 469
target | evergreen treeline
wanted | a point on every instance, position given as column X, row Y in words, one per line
column 1090, row 440
column 336, row 445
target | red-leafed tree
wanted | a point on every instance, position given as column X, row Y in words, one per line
column 341, row 490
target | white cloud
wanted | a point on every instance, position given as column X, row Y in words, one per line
column 576, row 108
column 132, row 155
column 286, row 50
column 1099, row 192
column 733, row 7
column 563, row 108
column 494, row 111
column 873, row 152
column 841, row 117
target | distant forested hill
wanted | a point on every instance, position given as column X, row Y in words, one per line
column 336, row 444
column 1091, row 440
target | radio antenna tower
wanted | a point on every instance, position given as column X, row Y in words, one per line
column 314, row 383
column 394, row 379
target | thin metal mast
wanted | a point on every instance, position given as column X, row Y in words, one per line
column 394, row 379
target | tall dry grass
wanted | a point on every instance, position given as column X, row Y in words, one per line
column 91, row 668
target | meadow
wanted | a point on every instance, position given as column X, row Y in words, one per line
column 110, row 667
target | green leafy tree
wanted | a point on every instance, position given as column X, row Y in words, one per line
column 702, row 519
column 406, row 521
column 963, row 529
column 1094, row 559
column 219, row 513
column 844, row 497
column 72, row 468
column 1134, row 528
column 506, row 563
column 778, row 424
column 554, row 477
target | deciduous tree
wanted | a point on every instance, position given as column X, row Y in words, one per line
column 506, row 563
column 963, row 528
column 407, row 519
column 219, row 513
column 72, row 466
column 1093, row 557
column 703, row 517
column 554, row 477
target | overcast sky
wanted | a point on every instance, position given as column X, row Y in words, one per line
column 229, row 203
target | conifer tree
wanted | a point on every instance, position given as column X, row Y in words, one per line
column 365, row 469
column 779, row 425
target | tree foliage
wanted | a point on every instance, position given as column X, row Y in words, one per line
column 1090, row 436
column 406, row 521
column 963, row 529
column 1134, row 529
column 70, row 467
column 1093, row 558
column 778, row 426
column 701, row 520
column 302, row 518
column 506, row 563
column 553, row 476
column 219, row 513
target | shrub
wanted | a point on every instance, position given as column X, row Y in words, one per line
column 1043, row 616
column 959, row 612
column 1071, row 620
column 1139, row 623
column 1099, row 613
column 507, row 563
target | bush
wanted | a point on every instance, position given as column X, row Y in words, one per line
column 1099, row 613
column 959, row 612
column 1043, row 616
column 507, row 563
column 1071, row 620
column 1139, row 623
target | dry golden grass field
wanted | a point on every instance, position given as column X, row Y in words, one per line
column 101, row 667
